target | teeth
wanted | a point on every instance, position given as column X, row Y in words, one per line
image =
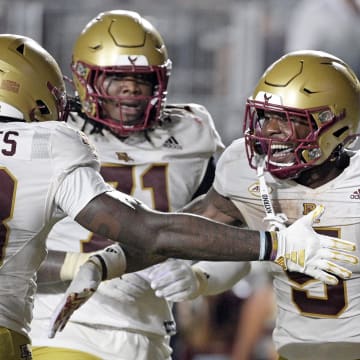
column 279, row 151
column 282, row 164
column 280, row 147
column 128, row 106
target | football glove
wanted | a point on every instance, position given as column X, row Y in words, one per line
column 105, row 264
column 175, row 280
column 299, row 248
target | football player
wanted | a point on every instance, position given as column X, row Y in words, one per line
column 49, row 170
column 300, row 125
column 161, row 153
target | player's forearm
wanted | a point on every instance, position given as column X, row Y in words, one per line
column 151, row 233
column 197, row 238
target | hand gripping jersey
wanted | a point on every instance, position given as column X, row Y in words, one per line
column 163, row 168
column 314, row 321
column 47, row 170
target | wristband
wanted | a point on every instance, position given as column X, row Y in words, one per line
column 268, row 245
column 262, row 245
column 111, row 261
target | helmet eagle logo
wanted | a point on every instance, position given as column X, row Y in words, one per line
column 132, row 59
column 267, row 97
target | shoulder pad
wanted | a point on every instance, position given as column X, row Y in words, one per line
column 72, row 148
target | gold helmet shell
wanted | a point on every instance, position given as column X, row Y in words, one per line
column 317, row 86
column 31, row 83
column 120, row 41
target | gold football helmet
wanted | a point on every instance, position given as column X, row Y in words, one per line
column 116, row 43
column 319, row 88
column 31, row 83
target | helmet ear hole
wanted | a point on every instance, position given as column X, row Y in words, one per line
column 44, row 110
column 341, row 131
column 21, row 49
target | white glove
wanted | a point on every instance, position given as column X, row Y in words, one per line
column 105, row 264
column 80, row 290
column 174, row 280
column 299, row 248
column 129, row 287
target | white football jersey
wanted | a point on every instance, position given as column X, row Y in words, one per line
column 163, row 168
column 47, row 170
column 314, row 321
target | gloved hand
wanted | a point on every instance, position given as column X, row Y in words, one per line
column 174, row 280
column 80, row 290
column 105, row 264
column 129, row 287
column 299, row 248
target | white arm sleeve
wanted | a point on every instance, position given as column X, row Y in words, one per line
column 217, row 277
column 78, row 188
column 76, row 178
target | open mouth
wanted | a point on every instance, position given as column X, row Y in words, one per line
column 126, row 111
column 131, row 108
column 129, row 112
column 282, row 155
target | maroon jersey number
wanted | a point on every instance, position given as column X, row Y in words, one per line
column 333, row 301
column 122, row 178
column 7, row 198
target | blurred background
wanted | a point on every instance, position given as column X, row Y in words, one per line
column 218, row 48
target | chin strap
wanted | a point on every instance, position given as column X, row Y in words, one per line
column 275, row 221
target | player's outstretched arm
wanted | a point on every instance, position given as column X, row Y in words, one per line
column 178, row 282
column 150, row 236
